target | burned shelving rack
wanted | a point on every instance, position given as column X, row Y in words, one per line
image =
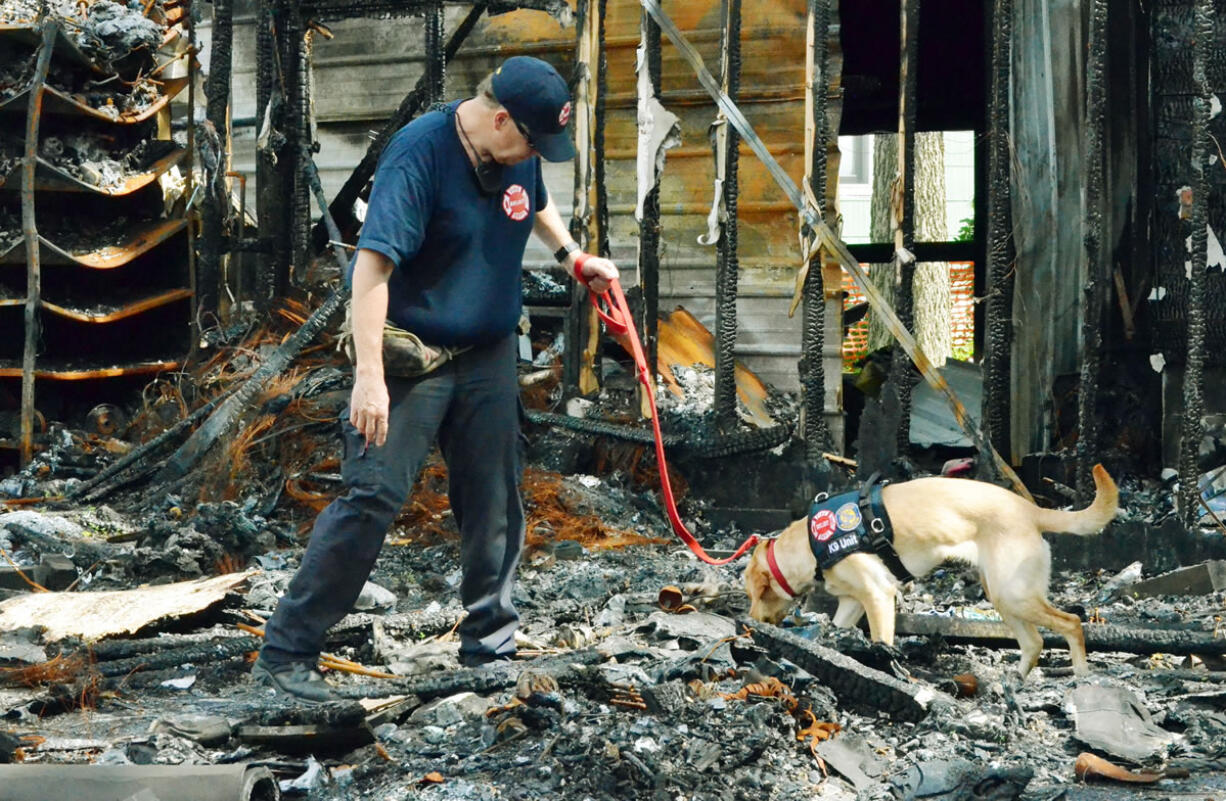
column 85, row 208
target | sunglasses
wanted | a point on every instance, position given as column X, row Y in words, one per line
column 526, row 135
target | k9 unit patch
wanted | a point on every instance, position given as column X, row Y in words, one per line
column 837, row 528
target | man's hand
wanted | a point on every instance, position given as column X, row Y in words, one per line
column 368, row 408
column 598, row 273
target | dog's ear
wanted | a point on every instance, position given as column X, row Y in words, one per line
column 759, row 583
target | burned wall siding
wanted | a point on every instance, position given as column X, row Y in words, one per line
column 1174, row 90
column 363, row 73
column 1173, row 93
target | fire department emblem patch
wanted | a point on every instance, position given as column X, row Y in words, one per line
column 822, row 525
column 564, row 114
column 515, row 202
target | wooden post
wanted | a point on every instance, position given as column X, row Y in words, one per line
column 821, row 367
column 1193, row 376
column 30, row 229
column 902, row 208
column 1093, row 291
column 580, row 373
column 727, row 266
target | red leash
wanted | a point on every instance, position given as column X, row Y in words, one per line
column 620, row 323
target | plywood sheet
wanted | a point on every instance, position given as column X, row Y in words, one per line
column 96, row 615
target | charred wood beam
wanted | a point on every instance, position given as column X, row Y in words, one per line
column 29, row 227
column 113, row 650
column 341, row 207
column 296, row 74
column 601, row 115
column 1193, row 377
column 93, row 487
column 1092, row 233
column 854, row 683
column 1099, row 636
column 649, row 227
column 579, row 326
column 224, row 417
column 217, row 118
column 706, row 445
column 727, row 266
column 997, row 361
column 904, row 232
column 84, row 553
column 273, row 279
column 436, row 56
column 195, row 653
column 817, row 435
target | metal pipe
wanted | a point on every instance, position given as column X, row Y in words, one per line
column 997, row 361
column 30, row 230
column 1193, row 377
column 727, row 267
column 1092, row 232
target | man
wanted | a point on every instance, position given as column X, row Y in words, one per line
column 456, row 193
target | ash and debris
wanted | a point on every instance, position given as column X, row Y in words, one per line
column 103, row 30
column 93, row 158
column 616, row 694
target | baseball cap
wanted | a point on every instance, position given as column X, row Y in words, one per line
column 537, row 98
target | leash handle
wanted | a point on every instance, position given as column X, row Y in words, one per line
column 620, row 322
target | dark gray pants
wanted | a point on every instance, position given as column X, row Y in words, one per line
column 472, row 404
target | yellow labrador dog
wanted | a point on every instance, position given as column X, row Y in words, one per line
column 934, row 520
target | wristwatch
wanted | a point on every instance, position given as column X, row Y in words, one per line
column 561, row 253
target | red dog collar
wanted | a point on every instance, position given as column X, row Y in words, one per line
column 774, row 566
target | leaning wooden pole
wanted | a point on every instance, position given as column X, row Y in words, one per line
column 1193, row 377
column 30, row 229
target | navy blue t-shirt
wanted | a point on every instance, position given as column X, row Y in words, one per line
column 458, row 253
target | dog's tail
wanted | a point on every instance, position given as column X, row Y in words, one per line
column 1091, row 519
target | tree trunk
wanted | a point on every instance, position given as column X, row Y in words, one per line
column 885, row 170
column 932, row 292
column 932, row 297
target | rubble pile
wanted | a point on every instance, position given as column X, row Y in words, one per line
column 638, row 673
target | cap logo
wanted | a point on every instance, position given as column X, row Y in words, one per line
column 515, row 202
column 564, row 114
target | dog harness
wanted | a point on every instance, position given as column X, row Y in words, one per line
column 847, row 523
column 853, row 522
